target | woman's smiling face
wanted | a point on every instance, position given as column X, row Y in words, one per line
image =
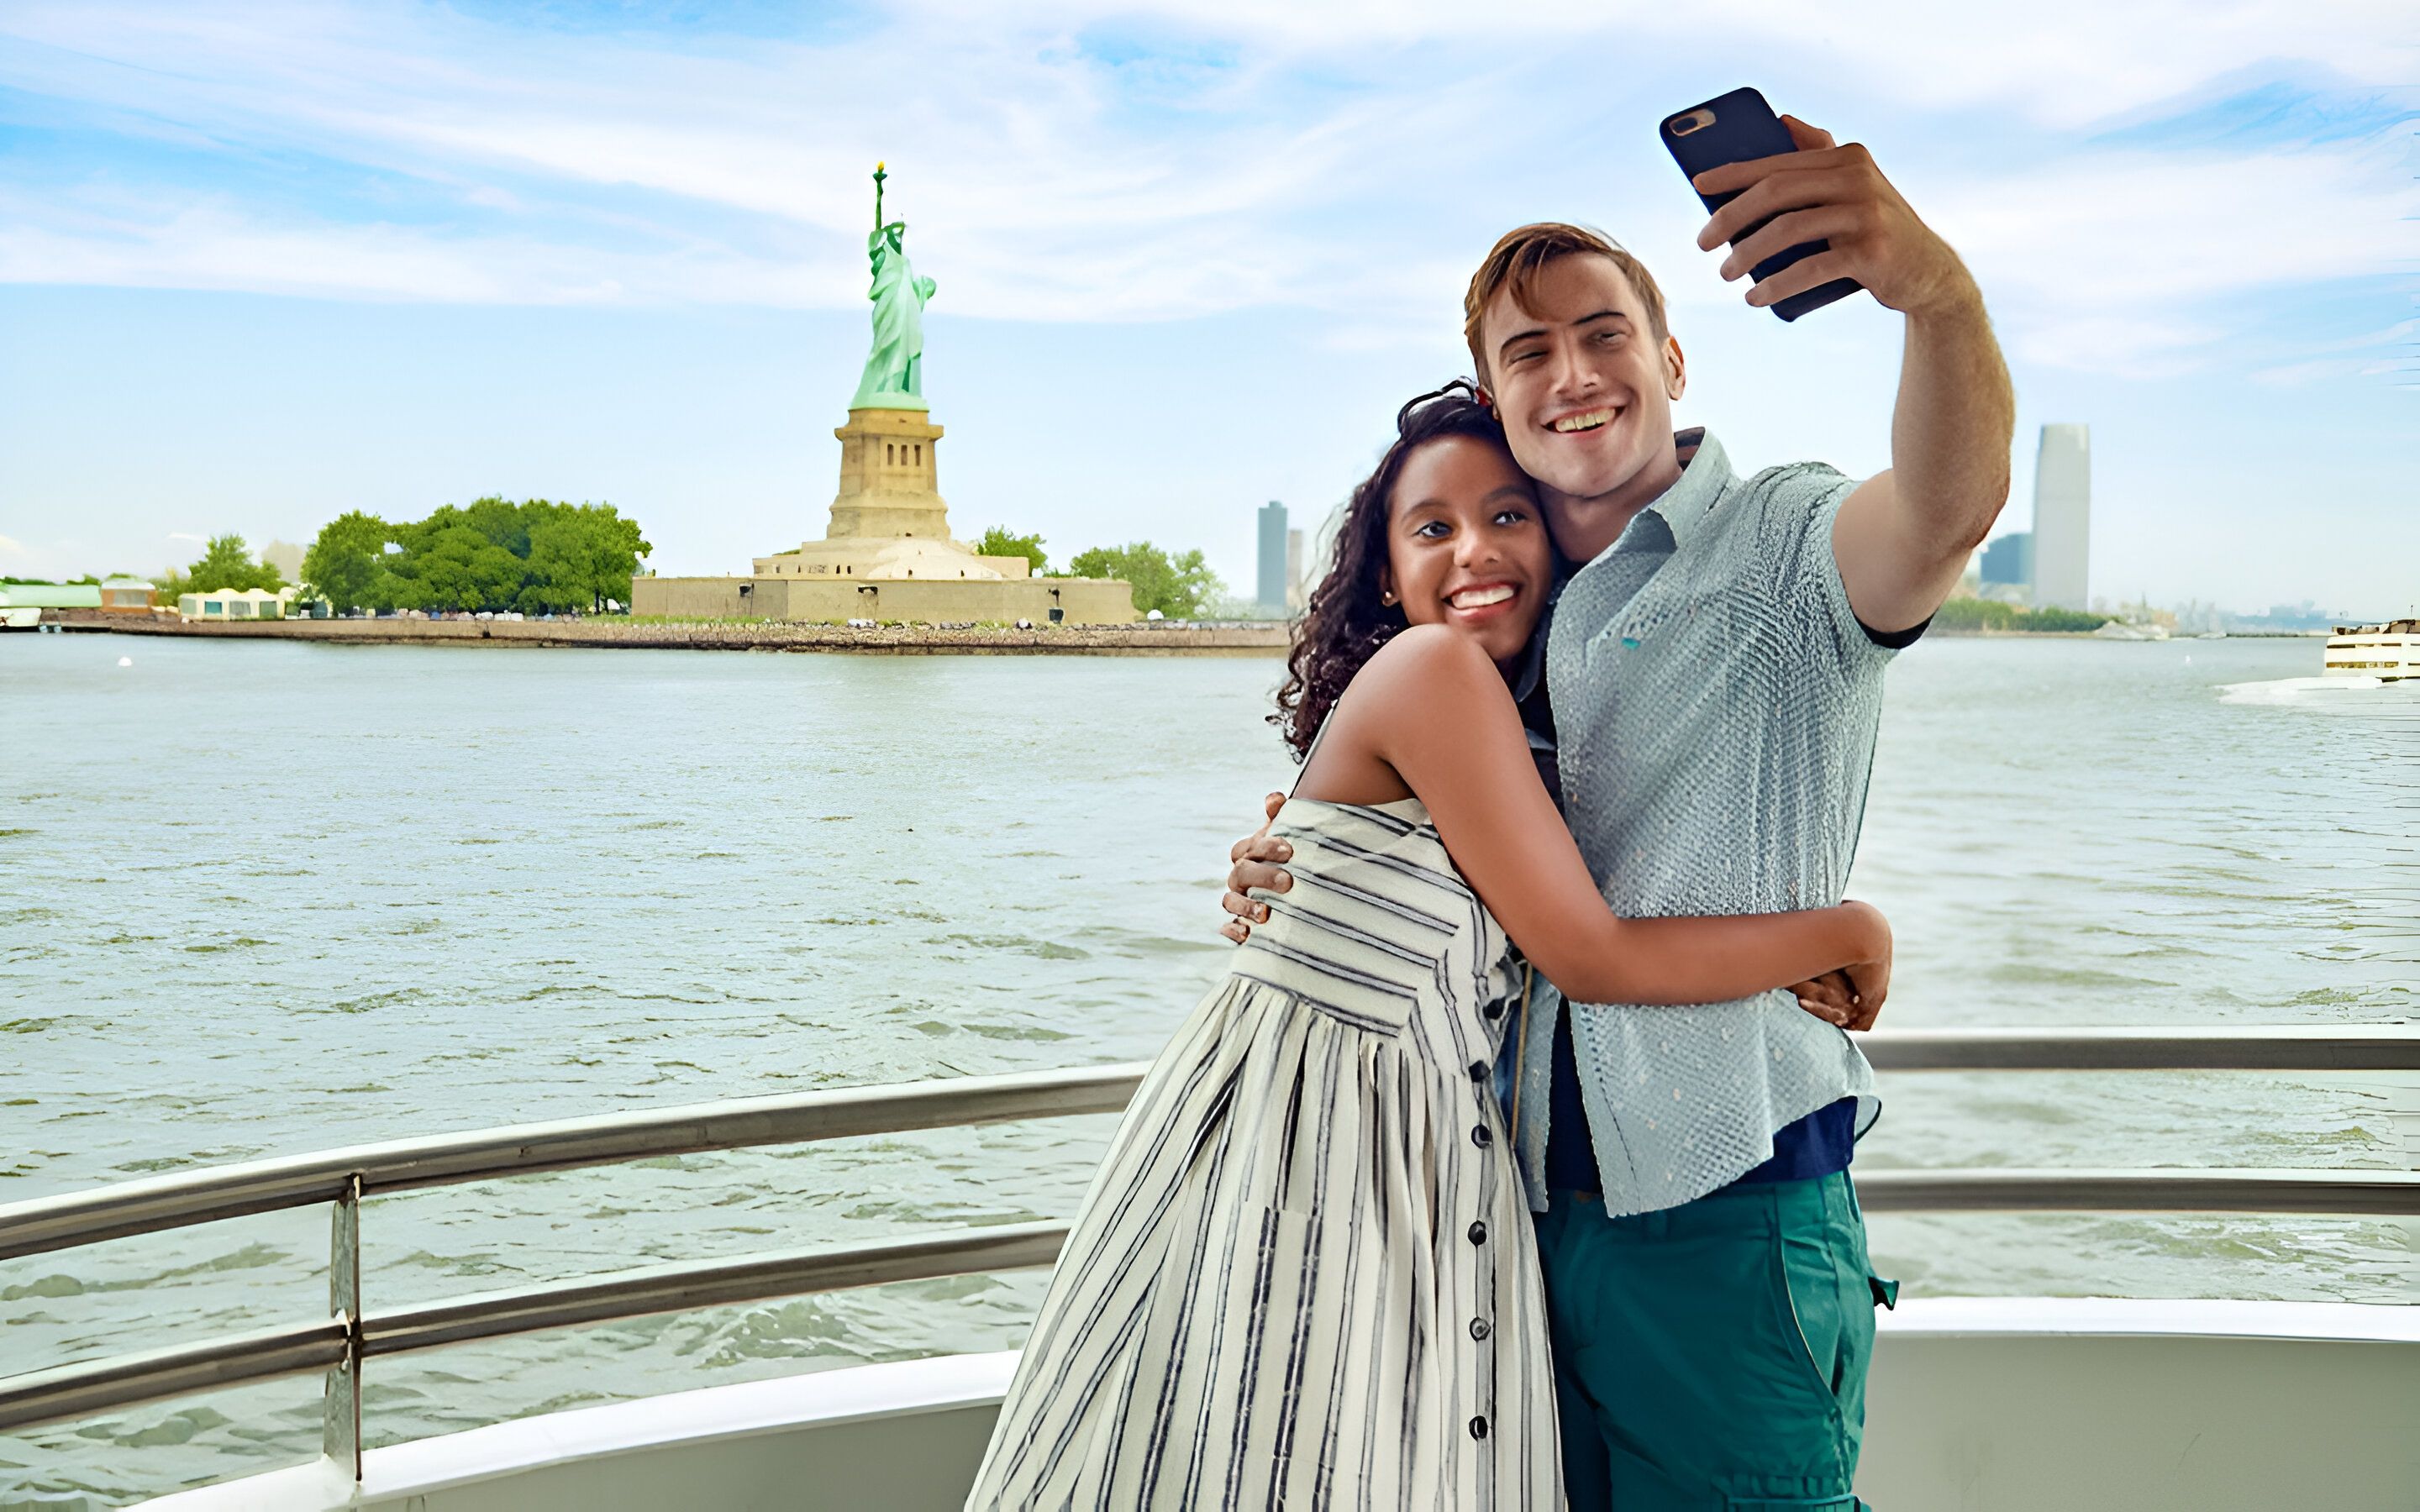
column 1465, row 544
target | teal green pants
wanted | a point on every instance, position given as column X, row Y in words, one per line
column 1712, row 1357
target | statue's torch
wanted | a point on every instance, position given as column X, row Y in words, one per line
column 879, row 177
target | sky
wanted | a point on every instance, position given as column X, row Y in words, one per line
column 264, row 263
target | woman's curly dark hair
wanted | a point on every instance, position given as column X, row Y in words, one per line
column 1344, row 624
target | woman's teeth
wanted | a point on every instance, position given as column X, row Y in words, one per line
column 1586, row 422
column 1481, row 597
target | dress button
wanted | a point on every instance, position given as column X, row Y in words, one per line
column 1479, row 1071
column 1480, row 1136
column 1478, row 1428
column 1493, row 1011
column 1477, row 1233
column 1478, row 1329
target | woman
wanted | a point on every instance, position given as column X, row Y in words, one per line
column 1304, row 1276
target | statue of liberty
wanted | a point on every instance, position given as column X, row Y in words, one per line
column 894, row 369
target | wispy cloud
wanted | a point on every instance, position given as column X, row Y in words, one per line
column 2142, row 256
column 2297, row 375
column 1149, row 161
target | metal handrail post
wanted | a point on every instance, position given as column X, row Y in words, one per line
column 334, row 1345
column 340, row 1401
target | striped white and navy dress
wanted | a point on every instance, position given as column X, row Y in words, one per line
column 1304, row 1277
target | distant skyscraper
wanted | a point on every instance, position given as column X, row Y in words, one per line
column 2007, row 562
column 1275, row 578
column 2062, row 545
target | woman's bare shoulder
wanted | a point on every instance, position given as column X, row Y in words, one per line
column 1421, row 651
column 1418, row 683
column 1426, row 671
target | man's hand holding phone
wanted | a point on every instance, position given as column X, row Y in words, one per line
column 1827, row 193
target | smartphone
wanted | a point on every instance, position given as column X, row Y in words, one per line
column 1734, row 128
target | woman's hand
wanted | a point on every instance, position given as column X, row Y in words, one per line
column 1868, row 977
column 1851, row 996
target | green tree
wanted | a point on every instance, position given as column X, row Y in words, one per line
column 501, row 520
column 1976, row 614
column 997, row 542
column 614, row 551
column 1180, row 588
column 347, row 563
column 556, row 575
column 493, row 554
column 227, row 563
column 584, row 554
column 580, row 555
column 2064, row 619
column 453, row 566
column 1991, row 614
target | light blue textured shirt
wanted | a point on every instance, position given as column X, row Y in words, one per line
column 1715, row 704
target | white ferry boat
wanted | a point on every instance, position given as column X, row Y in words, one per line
column 2388, row 652
column 2081, row 1404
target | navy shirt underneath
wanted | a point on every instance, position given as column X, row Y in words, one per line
column 1816, row 1144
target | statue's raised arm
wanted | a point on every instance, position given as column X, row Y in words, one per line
column 894, row 367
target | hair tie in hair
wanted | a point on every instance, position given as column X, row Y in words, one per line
column 1403, row 416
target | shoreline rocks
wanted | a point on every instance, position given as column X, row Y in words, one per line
column 1161, row 638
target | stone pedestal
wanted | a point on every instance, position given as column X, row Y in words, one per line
column 887, row 554
column 887, row 478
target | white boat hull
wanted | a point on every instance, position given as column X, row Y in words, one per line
column 1975, row 1405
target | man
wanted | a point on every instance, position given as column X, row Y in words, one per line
column 1713, row 676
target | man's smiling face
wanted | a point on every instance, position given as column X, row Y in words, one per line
column 1584, row 386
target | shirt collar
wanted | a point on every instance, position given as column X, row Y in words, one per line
column 1705, row 477
column 1678, row 511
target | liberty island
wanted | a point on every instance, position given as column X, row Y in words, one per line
column 887, row 552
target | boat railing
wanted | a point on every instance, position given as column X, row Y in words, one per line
column 341, row 1343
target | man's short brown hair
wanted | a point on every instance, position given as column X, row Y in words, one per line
column 1522, row 252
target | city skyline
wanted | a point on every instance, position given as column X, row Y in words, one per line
column 265, row 265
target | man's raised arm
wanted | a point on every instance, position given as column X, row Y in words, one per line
column 1903, row 536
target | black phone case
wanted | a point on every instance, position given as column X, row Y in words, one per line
column 1744, row 126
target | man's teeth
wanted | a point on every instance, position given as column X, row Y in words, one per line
column 1481, row 597
column 1586, row 422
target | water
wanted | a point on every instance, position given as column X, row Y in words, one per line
column 268, row 898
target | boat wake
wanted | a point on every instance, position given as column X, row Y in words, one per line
column 2295, row 689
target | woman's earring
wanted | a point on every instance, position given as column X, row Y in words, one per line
column 1386, row 595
